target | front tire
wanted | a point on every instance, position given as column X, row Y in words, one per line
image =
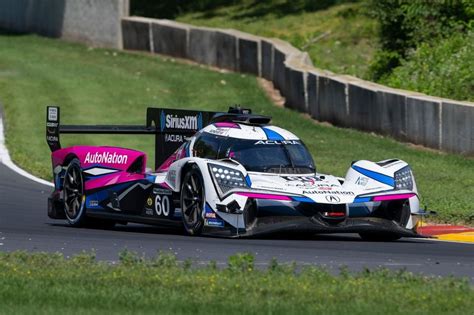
column 74, row 194
column 193, row 201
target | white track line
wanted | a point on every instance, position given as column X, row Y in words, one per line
column 7, row 161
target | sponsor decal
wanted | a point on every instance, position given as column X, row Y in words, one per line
column 324, row 192
column 186, row 122
column 214, row 223
column 162, row 205
column 173, row 138
column 51, row 124
column 52, row 138
column 106, row 157
column 149, row 202
column 333, row 199
column 159, row 191
column 304, row 179
column 93, row 203
column 218, row 131
column 52, row 114
column 362, row 181
column 210, row 215
column 277, row 142
column 148, row 211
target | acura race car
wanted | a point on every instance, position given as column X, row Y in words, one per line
column 227, row 174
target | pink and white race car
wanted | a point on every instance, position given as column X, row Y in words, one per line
column 228, row 174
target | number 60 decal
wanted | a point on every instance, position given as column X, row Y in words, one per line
column 162, row 205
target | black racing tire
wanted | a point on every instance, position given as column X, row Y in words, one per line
column 379, row 236
column 193, row 201
column 75, row 200
column 74, row 194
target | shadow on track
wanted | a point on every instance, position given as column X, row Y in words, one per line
column 163, row 230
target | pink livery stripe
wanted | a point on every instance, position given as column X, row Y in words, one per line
column 224, row 124
column 394, row 197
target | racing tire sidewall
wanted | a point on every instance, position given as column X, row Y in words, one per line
column 197, row 227
column 80, row 218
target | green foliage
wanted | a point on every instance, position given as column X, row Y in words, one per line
column 406, row 24
column 338, row 35
column 443, row 68
column 241, row 262
column 383, row 60
column 83, row 286
column 170, row 9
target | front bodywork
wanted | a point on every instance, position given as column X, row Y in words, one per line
column 365, row 200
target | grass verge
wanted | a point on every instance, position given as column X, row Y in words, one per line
column 48, row 283
column 96, row 86
column 340, row 38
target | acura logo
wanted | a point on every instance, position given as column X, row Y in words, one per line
column 333, row 199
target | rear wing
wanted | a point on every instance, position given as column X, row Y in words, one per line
column 170, row 127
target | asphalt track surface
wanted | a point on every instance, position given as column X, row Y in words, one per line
column 24, row 225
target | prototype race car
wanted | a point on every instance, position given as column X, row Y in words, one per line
column 229, row 174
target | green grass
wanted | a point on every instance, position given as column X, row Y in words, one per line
column 108, row 87
column 348, row 46
column 48, row 283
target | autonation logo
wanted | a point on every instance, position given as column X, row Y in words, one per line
column 170, row 121
column 106, row 157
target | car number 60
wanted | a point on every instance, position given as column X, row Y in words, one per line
column 162, row 205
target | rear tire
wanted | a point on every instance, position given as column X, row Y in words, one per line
column 379, row 237
column 75, row 200
column 74, row 194
column 193, row 201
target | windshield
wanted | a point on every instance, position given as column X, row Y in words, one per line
column 283, row 157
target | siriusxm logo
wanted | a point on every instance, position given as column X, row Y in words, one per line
column 106, row 157
column 173, row 121
column 186, row 122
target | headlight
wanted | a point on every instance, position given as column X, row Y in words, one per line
column 404, row 179
column 227, row 178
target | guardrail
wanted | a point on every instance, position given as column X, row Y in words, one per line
column 339, row 99
column 91, row 22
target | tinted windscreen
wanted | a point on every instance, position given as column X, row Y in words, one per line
column 289, row 157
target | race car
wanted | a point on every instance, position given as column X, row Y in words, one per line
column 226, row 174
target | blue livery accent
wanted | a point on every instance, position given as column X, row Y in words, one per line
column 214, row 223
column 186, row 150
column 361, row 199
column 272, row 135
column 150, row 178
column 303, row 199
column 248, row 181
column 92, row 202
column 162, row 120
column 387, row 180
column 208, row 208
column 199, row 122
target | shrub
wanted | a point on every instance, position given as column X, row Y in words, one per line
column 441, row 68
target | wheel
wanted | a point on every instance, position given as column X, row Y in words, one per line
column 75, row 199
column 192, row 201
column 379, row 236
column 73, row 194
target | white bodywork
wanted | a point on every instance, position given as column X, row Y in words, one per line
column 364, row 179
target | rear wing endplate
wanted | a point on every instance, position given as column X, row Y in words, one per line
column 170, row 126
